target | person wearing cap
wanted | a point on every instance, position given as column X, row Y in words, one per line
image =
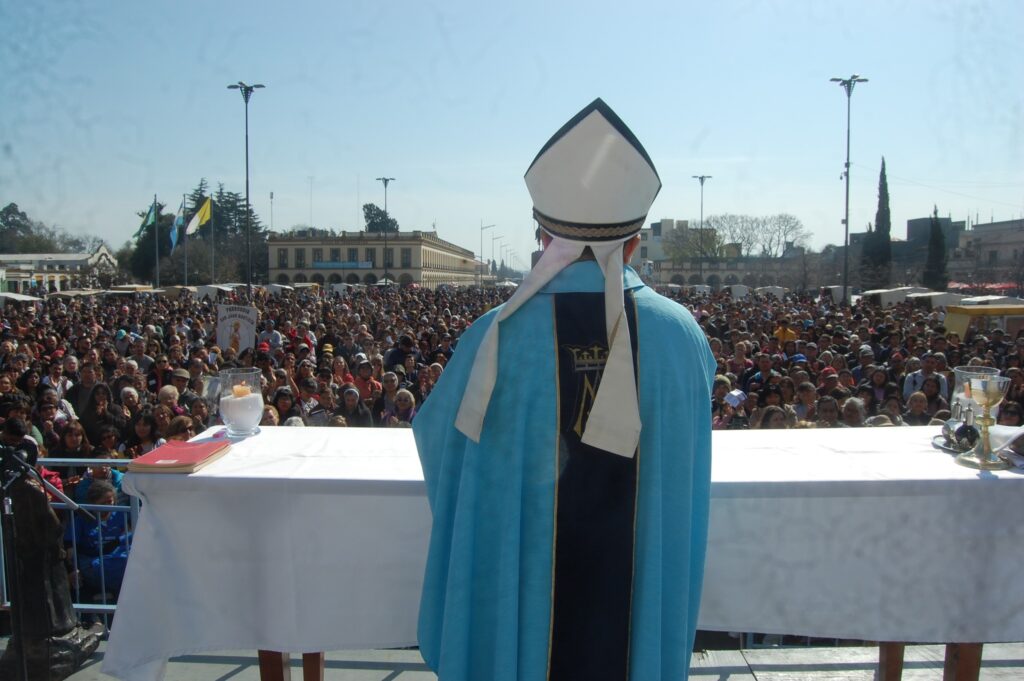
column 569, row 511
column 396, row 355
column 865, row 363
column 269, row 335
column 364, row 380
column 444, row 347
column 180, row 379
column 122, row 341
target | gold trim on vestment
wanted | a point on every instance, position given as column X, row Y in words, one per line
column 554, row 514
column 583, row 232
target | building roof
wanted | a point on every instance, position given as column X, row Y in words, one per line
column 25, row 257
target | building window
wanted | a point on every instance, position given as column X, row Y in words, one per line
column 643, row 236
column 282, row 258
column 300, row 257
column 643, row 252
column 371, row 256
column 353, row 255
column 656, row 229
column 993, row 257
column 406, row 258
column 389, row 257
column 318, row 255
column 335, row 255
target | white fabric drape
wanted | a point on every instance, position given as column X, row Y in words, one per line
column 614, row 422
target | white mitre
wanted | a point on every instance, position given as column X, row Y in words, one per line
column 592, row 185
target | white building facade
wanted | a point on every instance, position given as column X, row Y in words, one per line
column 415, row 257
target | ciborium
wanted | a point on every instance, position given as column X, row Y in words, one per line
column 986, row 392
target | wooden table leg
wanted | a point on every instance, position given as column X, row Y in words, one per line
column 274, row 666
column 963, row 662
column 313, row 667
column 890, row 661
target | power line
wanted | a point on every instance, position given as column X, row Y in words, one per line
column 918, row 183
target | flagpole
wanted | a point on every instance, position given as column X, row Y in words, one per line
column 213, row 237
column 184, row 236
column 156, row 242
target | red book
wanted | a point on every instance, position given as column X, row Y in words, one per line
column 179, row 457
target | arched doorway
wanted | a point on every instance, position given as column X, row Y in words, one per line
column 714, row 281
column 300, row 278
column 731, row 279
column 352, row 279
column 677, row 279
column 334, row 279
column 405, row 279
column 317, row 279
column 283, row 279
column 694, row 280
column 750, row 280
column 370, row 278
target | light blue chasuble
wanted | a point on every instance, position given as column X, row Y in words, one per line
column 487, row 606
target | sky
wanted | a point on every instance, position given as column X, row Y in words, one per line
column 104, row 104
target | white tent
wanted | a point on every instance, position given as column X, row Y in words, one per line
column 19, row 297
column 278, row 289
column 506, row 284
column 776, row 291
column 936, row 298
column 992, row 300
column 738, row 290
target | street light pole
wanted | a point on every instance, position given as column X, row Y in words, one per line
column 384, row 255
column 700, row 245
column 480, row 275
column 493, row 239
column 848, row 85
column 246, row 91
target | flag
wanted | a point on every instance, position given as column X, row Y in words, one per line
column 150, row 219
column 179, row 222
column 201, row 217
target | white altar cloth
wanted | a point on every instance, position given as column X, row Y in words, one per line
column 308, row 539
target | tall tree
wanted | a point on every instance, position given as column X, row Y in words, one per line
column 780, row 231
column 935, row 276
column 198, row 195
column 21, row 234
column 377, row 221
column 883, row 231
column 736, row 229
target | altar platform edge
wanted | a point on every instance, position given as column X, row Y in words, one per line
column 922, row 663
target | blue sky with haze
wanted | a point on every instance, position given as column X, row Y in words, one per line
column 107, row 103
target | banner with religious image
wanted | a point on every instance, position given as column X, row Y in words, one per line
column 236, row 327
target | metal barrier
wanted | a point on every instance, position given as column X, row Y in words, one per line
column 102, row 602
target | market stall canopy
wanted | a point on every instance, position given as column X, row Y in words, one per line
column 19, row 297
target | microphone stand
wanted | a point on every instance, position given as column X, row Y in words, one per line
column 11, row 474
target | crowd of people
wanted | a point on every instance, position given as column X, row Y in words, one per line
column 806, row 362
column 115, row 377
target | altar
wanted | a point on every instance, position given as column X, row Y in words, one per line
column 310, row 539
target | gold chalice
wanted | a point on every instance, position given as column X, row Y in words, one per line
column 987, row 391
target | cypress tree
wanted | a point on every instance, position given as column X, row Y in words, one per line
column 935, row 276
column 883, row 231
